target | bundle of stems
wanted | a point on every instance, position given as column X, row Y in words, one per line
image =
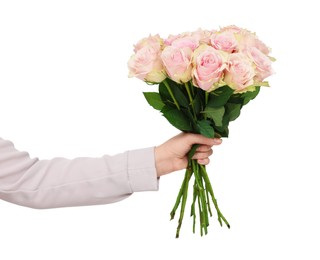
column 202, row 193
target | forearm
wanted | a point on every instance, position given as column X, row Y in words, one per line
column 82, row 181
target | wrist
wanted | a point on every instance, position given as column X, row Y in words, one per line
column 163, row 163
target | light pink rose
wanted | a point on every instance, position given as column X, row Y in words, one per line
column 231, row 28
column 262, row 62
column 240, row 72
column 248, row 39
column 203, row 35
column 183, row 40
column 225, row 41
column 208, row 66
column 186, row 41
column 177, row 62
column 170, row 39
column 154, row 42
column 146, row 65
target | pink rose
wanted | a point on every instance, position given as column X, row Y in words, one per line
column 208, row 66
column 154, row 42
column 183, row 40
column 146, row 65
column 240, row 72
column 170, row 39
column 245, row 38
column 187, row 41
column 231, row 28
column 203, row 36
column 262, row 62
column 225, row 41
column 248, row 39
column 177, row 62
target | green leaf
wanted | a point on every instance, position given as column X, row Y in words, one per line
column 197, row 103
column 179, row 94
column 205, row 128
column 236, row 99
column 250, row 95
column 220, row 96
column 216, row 114
column 176, row 118
column 164, row 94
column 154, row 100
column 223, row 132
column 233, row 111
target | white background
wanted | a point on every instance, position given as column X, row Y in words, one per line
column 64, row 91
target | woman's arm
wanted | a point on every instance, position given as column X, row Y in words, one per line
column 89, row 181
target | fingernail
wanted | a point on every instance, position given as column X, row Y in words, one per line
column 217, row 141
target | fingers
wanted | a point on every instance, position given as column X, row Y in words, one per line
column 202, row 155
column 204, row 161
column 203, row 148
column 203, row 152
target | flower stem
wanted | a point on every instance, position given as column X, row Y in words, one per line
column 193, row 212
column 215, row 203
column 191, row 100
column 171, row 94
column 206, row 97
column 176, row 205
column 184, row 199
column 208, row 201
column 201, row 217
column 202, row 197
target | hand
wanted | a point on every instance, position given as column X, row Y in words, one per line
column 172, row 155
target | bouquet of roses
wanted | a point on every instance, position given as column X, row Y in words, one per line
column 204, row 78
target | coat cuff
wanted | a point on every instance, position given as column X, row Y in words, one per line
column 142, row 172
